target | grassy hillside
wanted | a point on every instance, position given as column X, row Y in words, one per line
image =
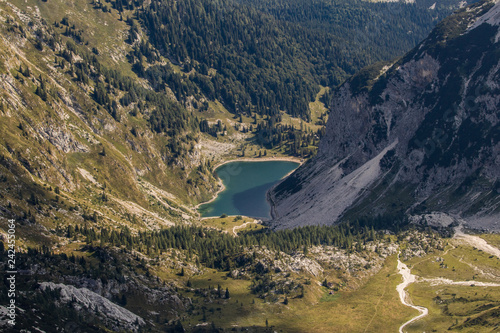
column 66, row 143
column 261, row 286
column 107, row 143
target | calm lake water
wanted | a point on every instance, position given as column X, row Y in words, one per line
column 246, row 186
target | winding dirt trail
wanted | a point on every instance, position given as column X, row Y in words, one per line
column 439, row 281
column 409, row 278
column 403, row 295
column 243, row 226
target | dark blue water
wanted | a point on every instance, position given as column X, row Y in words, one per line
column 246, row 186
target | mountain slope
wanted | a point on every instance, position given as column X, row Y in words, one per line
column 105, row 120
column 417, row 136
column 271, row 56
column 83, row 139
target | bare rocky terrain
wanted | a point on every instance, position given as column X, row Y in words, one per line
column 419, row 137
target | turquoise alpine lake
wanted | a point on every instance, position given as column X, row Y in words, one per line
column 246, row 185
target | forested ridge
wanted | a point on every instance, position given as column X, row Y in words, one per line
column 272, row 56
column 254, row 59
column 264, row 58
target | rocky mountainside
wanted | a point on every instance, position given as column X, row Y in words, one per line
column 105, row 120
column 110, row 129
column 83, row 139
column 415, row 136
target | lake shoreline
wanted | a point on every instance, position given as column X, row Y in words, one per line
column 246, row 159
column 216, row 194
column 261, row 159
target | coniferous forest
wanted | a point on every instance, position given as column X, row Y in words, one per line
column 115, row 116
column 269, row 56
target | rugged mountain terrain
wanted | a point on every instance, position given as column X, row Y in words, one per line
column 109, row 131
column 415, row 136
column 83, row 139
column 115, row 112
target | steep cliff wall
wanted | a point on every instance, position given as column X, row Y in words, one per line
column 418, row 135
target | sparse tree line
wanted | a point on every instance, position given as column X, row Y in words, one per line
column 219, row 250
column 113, row 91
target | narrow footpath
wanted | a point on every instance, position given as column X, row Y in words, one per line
column 243, row 226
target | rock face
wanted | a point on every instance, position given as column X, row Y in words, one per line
column 420, row 135
column 84, row 299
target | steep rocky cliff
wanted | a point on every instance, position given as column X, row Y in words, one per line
column 415, row 136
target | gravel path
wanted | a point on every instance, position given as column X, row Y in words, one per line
column 408, row 278
column 476, row 242
column 403, row 295
column 242, row 226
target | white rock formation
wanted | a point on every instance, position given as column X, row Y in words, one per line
column 82, row 298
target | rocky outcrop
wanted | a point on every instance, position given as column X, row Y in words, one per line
column 84, row 299
column 62, row 139
column 419, row 136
